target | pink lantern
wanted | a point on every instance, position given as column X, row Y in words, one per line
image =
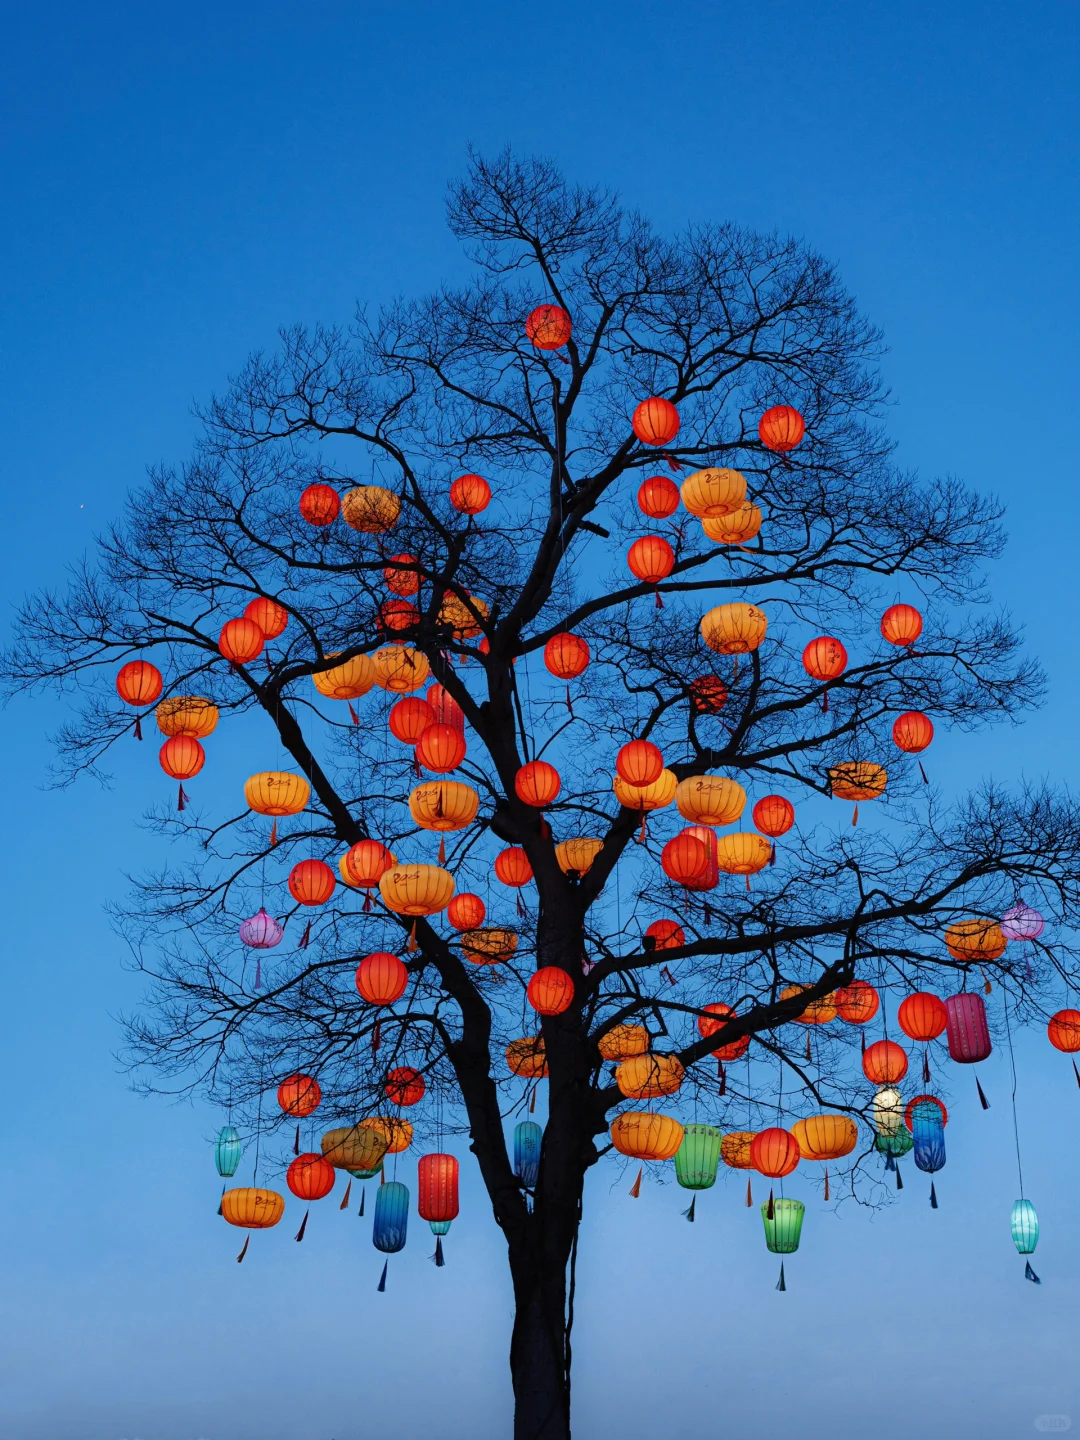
column 1022, row 923
column 261, row 931
column 966, row 1027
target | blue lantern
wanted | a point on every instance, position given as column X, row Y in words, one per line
column 1025, row 1227
column 928, row 1133
column 440, row 1227
column 528, row 1137
column 227, row 1151
column 391, row 1216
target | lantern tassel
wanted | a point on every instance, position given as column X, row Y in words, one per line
column 258, row 973
column 376, row 1037
column 442, row 850
column 363, row 1192
column 659, row 600
column 243, row 1252
column 781, row 1284
column 345, row 1198
column 296, row 1142
column 1029, row 1273
column 303, row 1226
column 416, row 765
column 367, row 902
column 721, row 1076
column 890, row 1161
column 809, row 1052
column 305, row 938
column 382, row 1175
column 826, row 1184
column 689, row 1214
column 569, row 707
column 673, row 464
column 922, row 772
column 138, row 727
column 982, row 1098
column 438, row 1256
column 772, row 854
column 635, row 1189
column 273, row 835
column 926, row 1068
column 412, row 938
column 749, row 1194
column 748, row 880
column 353, row 715
column 641, row 832
column 933, row 1197
column 899, row 1178
column 862, row 1037
column 219, row 1210
column 382, row 1278
column 855, row 815
column 770, row 1213
column 1076, row 1072
column 532, row 1101
column 181, row 799
column 520, row 905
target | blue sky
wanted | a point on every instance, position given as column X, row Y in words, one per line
column 179, row 181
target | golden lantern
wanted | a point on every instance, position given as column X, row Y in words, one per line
column 347, row 681
column 978, row 940
column 488, row 946
column 641, row 1135
column 444, row 805
column 744, row 853
column 644, row 1077
column 354, row 1147
column 710, row 799
column 371, row 509
column 416, row 889
column 395, row 1132
column 526, row 1057
column 735, row 1149
column 817, row 1012
column 400, row 668
column 825, row 1137
column 734, row 529
column 190, row 715
column 734, row 629
column 623, row 1041
column 365, row 863
column 577, row 856
column 857, row 780
column 713, row 491
column 646, row 797
column 252, row 1208
column 276, row 792
column 460, row 617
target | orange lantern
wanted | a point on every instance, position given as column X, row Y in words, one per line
column 405, row 1086
column 781, row 428
column 371, row 509
column 684, row 859
column 466, row 911
column 825, row 1137
column 399, row 668
column 658, row 497
column 710, row 799
column 744, row 853
column 526, row 1057
column 708, row 1026
column 187, row 715
column 622, row 1041
column 648, row 1076
column 708, row 694
column 299, row 1095
column 444, row 707
column 409, row 719
column 912, row 732
column 774, row 1152
column 713, row 493
column 575, row 857
column 252, row 1208
column 381, row 978
column 537, row 783
column 550, row 991
column 398, row 614
column 857, row 780
column 416, row 889
column 774, row 816
column 365, row 863
column 817, row 1012
column 311, row 882
column 1063, row 1031
column 276, row 792
column 857, row 1003
column 182, row 757
column 566, row 655
column 667, row 934
column 396, row 1132
column 975, row 940
column 320, row 505
column 440, row 748
column 646, row 798
column 901, row 625
column 241, row 640
column 884, row 1063
column 268, row 615
column 824, row 658
column 512, row 867
column 734, row 629
column 548, row 327
column 348, row 681
column 400, row 580
column 310, row 1177
column 470, row 494
column 444, row 805
column 655, row 421
column 639, row 762
column 737, row 528
column 138, row 682
column 488, row 946
column 651, row 559
column 922, row 1016
column 735, row 1149
column 460, row 616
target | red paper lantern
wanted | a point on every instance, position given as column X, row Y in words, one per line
column 639, row 763
column 566, row 655
column 774, row 816
column 367, row 862
column 548, row 327
column 550, row 991
column 685, row 859
column 299, row 1095
column 658, row 497
column 512, row 867
column 774, row 1152
column 901, row 625
column 781, row 428
column 824, row 658
column 241, row 640
column 466, row 911
column 182, row 757
column 441, row 748
column 268, row 615
column 884, row 1063
column 398, row 614
column 912, row 731
column 708, row 694
column 707, row 1027
column 966, row 1028
column 444, row 707
column 320, row 505
column 857, row 1003
column 310, row 1176
column 668, row 934
column 139, row 683
column 470, row 494
column 537, row 783
column 409, row 718
column 311, row 882
column 400, row 581
column 656, row 421
column 381, row 978
column 437, row 1188
column 405, row 1086
column 922, row 1016
column 1063, row 1031
column 651, row 559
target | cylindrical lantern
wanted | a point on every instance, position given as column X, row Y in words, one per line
column 928, row 1134
column 437, row 1187
column 698, row 1156
column 528, row 1140
column 391, row 1217
column 966, row 1027
column 227, row 1151
column 784, row 1230
column 1024, row 1224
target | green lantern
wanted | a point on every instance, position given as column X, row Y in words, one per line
column 783, row 1231
column 1025, row 1227
column 895, row 1145
column 366, row 1174
column 698, row 1156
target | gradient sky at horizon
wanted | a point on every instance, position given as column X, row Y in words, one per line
column 180, row 183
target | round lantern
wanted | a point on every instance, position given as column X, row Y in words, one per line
column 901, row 625
column 181, row 757
column 310, row 1177
column 299, row 1095
column 320, row 505
column 642, row 1135
column 548, row 327
column 311, row 882
column 825, row 1137
column 912, row 732
column 397, row 614
column 857, row 780
column 526, row 1057
column 744, row 853
column 781, row 428
column 241, row 640
column 824, row 658
column 857, row 1003
column 348, row 681
column 276, row 792
column 1063, row 1030
column 622, row 1041
column 817, row 1012
column 566, row 655
column 397, row 1132
column 271, row 618
column 966, row 1028
column 922, row 1016
column 774, row 1152
column 658, row 497
column 416, row 889
column 713, row 493
column 488, row 945
column 708, row 695
column 381, row 978
column 975, row 940
column 528, row 1143
column 888, row 1110
column 466, row 912
column 707, row 1026
column 437, row 1188
column 139, row 683
column 470, row 494
column 187, row 715
column 741, row 526
column 550, row 991
column 684, row 859
column 735, row 1149
column 441, row 748
column 252, row 1208
column 405, row 1086
column 444, row 805
column 537, row 783
column 698, row 1156
column 512, row 867
column 734, row 629
column 399, row 576
column 1024, row 1226
column 666, row 935
column 783, row 1228
column 575, row 857
column 1022, row 923
column 409, row 718
column 646, row 798
column 651, row 559
column 460, row 616
column 645, row 1077
column 365, row 863
column 655, row 421
column 227, row 1151
column 710, row 799
column 773, row 816
column 354, row 1147
column 895, row 1145
column 371, row 509
column 400, row 668
column 639, row 763
column 261, row 931
column 884, row 1063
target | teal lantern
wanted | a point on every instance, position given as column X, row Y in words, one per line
column 227, row 1151
column 391, row 1221
column 440, row 1227
column 528, row 1140
column 366, row 1174
column 1025, row 1227
column 783, row 1231
column 895, row 1145
column 697, row 1157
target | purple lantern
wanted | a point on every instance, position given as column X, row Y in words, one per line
column 261, row 931
column 1022, row 923
column 966, row 1027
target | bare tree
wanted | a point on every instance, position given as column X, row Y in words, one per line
column 723, row 323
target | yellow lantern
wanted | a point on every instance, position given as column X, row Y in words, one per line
column 713, row 491
column 354, row 1147
column 577, row 856
column 371, row 509
column 644, row 1136
column 416, row 889
column 978, row 940
column 396, row 1133
column 646, row 797
column 644, row 1077
column 277, row 792
column 735, row 1149
column 488, row 946
column 734, row 629
column 817, row 1012
column 857, row 780
column 191, row 715
column 348, row 681
column 526, row 1057
column 400, row 668
column 734, row 529
column 825, row 1137
column 623, row 1041
column 744, row 853
column 444, row 805
column 454, row 612
column 710, row 799
column 252, row 1208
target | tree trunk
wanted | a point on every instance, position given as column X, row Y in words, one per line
column 539, row 1348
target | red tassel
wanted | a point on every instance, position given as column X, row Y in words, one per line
column 826, row 1184
column 721, row 1076
column 982, row 1098
column 412, row 938
column 367, row 902
column 825, row 703
column 659, row 600
column 855, row 816
column 673, row 464
column 303, row 1226
column 666, row 973
column 922, row 772
column 442, row 850
column 353, row 715
column 749, row 1194
column 382, row 1176
column 748, row 880
column 273, row 834
column 138, row 727
column 770, row 1213
column 568, row 704
column 416, row 765
column 641, row 833
column 345, row 1198
column 376, row 1037
column 735, row 669
column 181, row 799
column 520, row 904
column 305, row 939
column 243, row 1252
column 296, row 1142
column 635, row 1189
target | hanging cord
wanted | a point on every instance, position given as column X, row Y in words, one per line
column 258, row 1137
column 1016, row 1126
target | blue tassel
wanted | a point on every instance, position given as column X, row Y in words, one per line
column 363, row 1192
column 382, row 1278
column 1029, row 1274
column 439, row 1261
column 219, row 1211
column 690, row 1213
column 781, row 1284
column 933, row 1197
